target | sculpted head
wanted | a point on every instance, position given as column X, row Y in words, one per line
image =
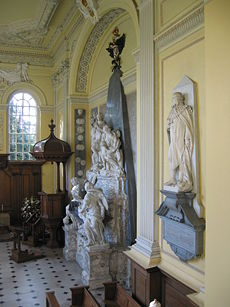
column 88, row 186
column 177, row 98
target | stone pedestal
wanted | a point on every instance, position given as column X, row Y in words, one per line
column 94, row 261
column 116, row 221
column 70, row 248
column 120, row 267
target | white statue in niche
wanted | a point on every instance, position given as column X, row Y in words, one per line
column 105, row 145
column 180, row 132
column 17, row 75
column 92, row 212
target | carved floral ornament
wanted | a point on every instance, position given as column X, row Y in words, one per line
column 88, row 9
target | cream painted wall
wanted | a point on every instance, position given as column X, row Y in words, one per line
column 217, row 92
column 170, row 11
column 184, row 58
column 41, row 89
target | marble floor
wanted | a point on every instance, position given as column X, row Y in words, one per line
column 25, row 284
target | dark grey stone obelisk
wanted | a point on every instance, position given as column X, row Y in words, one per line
column 116, row 116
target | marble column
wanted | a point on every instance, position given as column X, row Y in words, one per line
column 147, row 241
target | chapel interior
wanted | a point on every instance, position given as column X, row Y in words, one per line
column 55, row 65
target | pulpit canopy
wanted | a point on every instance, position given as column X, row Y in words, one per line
column 52, row 149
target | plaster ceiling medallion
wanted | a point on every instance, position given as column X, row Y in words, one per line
column 29, row 32
column 88, row 9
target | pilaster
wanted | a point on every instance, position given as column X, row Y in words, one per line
column 147, row 240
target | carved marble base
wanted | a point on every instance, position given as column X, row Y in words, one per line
column 182, row 228
column 116, row 224
column 69, row 251
column 94, row 262
column 120, row 268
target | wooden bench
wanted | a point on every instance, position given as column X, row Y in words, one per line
column 115, row 295
column 81, row 297
column 51, row 300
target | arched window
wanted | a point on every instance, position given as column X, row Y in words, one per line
column 22, row 120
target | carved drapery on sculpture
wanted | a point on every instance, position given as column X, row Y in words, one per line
column 107, row 155
column 181, row 210
column 17, row 75
column 86, row 213
column 180, row 132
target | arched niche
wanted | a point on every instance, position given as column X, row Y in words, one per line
column 91, row 36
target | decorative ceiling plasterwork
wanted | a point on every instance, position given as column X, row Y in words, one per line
column 74, row 32
column 64, row 24
column 29, row 33
column 187, row 25
column 90, row 47
column 40, row 56
column 62, row 72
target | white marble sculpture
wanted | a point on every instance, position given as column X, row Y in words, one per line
column 154, row 303
column 17, row 75
column 70, row 218
column 75, row 191
column 71, row 222
column 180, row 132
column 107, row 155
column 92, row 212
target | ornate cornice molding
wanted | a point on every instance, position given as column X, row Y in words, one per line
column 64, row 24
column 25, row 57
column 187, row 25
column 46, row 108
column 90, row 47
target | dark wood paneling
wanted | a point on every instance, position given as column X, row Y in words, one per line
column 153, row 283
column 18, row 180
column 146, row 284
column 174, row 293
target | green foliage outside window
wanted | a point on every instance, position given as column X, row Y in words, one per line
column 22, row 126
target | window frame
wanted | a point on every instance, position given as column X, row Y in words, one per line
column 37, row 134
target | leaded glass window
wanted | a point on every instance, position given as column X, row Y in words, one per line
column 22, row 126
